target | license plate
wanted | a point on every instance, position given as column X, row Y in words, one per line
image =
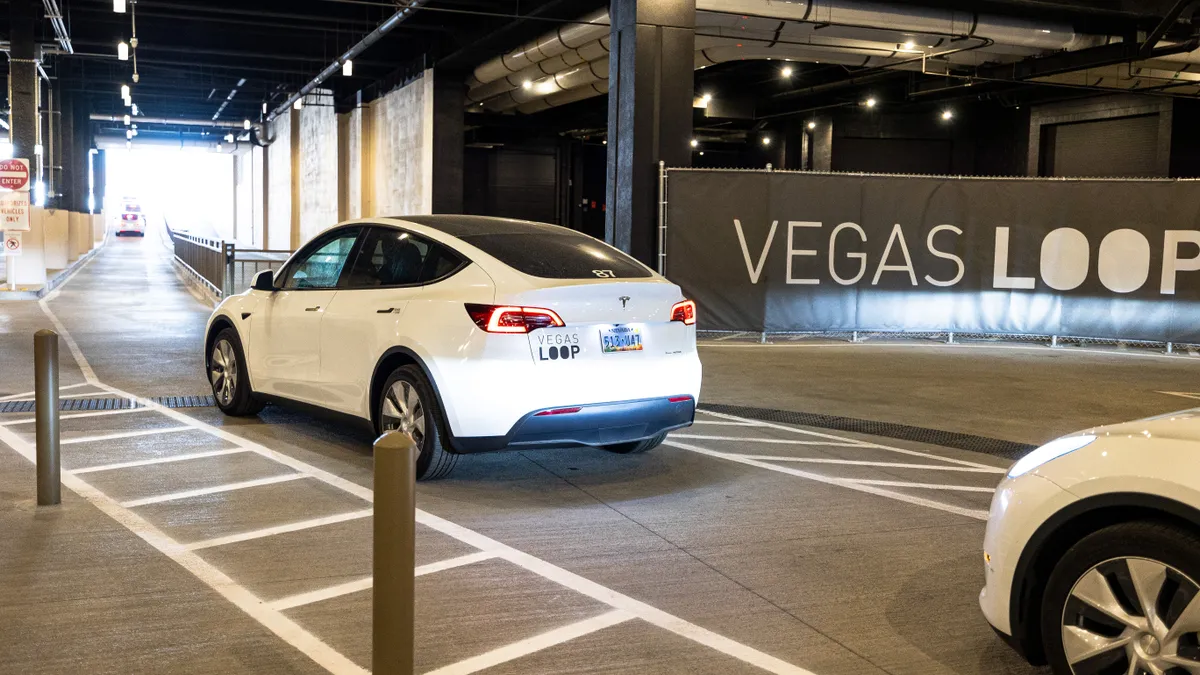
column 621, row 339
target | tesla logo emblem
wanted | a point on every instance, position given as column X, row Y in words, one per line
column 624, row 301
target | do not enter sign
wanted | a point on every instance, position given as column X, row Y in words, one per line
column 14, row 174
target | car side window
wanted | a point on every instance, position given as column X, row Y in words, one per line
column 323, row 264
column 440, row 263
column 388, row 257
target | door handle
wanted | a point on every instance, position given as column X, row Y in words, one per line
column 312, row 309
column 389, row 310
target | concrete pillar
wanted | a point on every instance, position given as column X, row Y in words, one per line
column 651, row 70
column 56, row 238
column 79, row 234
column 62, row 135
column 29, row 268
column 22, row 77
column 448, row 141
column 294, row 145
column 99, row 178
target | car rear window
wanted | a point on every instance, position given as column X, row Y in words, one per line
column 558, row 256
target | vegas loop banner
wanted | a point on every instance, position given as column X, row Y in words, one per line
column 826, row 252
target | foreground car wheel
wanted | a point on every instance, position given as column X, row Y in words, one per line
column 1125, row 600
column 228, row 376
column 636, row 447
column 409, row 405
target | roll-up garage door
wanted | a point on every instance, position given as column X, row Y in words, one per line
column 1125, row 146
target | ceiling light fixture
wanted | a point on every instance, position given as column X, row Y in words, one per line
column 706, row 98
column 122, row 51
column 870, row 102
column 766, row 140
column 695, row 143
column 133, row 108
column 126, row 120
column 298, row 104
column 786, row 72
column 947, row 115
column 527, row 84
column 812, row 125
column 119, row 6
column 124, row 91
column 264, row 107
column 910, row 45
column 348, row 68
column 246, row 125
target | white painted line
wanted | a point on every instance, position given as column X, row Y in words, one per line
column 940, row 345
column 1181, row 394
column 782, row 441
column 616, row 600
column 28, row 395
column 301, row 599
column 723, row 422
column 865, row 444
column 860, row 462
column 125, row 434
column 451, row 563
column 72, row 416
column 516, row 650
column 922, row 486
column 278, row 529
column 216, row 489
column 321, row 594
column 287, row 630
column 159, row 460
column 829, row 480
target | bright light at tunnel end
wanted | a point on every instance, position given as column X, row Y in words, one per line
column 1048, row 452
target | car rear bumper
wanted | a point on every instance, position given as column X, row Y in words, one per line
column 595, row 424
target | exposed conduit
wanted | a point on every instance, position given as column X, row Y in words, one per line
column 590, row 28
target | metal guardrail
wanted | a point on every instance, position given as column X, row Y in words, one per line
column 219, row 265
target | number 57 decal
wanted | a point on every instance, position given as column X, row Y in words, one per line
column 605, row 274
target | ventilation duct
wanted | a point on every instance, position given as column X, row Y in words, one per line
column 566, row 37
column 568, row 59
column 597, row 88
column 571, row 78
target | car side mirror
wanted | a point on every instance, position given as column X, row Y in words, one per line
column 264, row 281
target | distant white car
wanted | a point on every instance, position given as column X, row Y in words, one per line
column 131, row 221
column 471, row 333
column 1092, row 551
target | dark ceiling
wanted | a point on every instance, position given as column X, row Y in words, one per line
column 192, row 53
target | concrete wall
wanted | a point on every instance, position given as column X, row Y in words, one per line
column 402, row 142
column 352, row 161
column 243, row 200
column 279, row 185
column 57, row 242
column 257, row 212
column 318, row 166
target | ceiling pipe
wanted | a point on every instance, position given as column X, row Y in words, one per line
column 572, row 78
column 336, row 67
column 568, row 59
column 60, row 29
column 140, row 120
column 566, row 37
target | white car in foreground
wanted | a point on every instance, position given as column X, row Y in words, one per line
column 472, row 333
column 1092, row 552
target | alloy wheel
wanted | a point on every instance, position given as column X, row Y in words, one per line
column 1132, row 616
column 403, row 411
column 224, row 372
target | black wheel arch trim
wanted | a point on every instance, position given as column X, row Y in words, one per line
column 218, row 324
column 377, row 376
column 1025, row 582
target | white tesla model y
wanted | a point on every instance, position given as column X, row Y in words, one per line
column 471, row 333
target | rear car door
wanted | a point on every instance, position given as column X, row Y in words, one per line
column 365, row 319
column 285, row 338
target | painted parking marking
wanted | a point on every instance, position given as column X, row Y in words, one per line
column 215, row 489
column 922, row 486
column 72, row 416
column 279, row 529
column 301, row 639
column 782, row 441
column 535, row 644
column 865, row 444
column 863, row 462
column 977, row 514
column 159, row 460
column 125, row 434
column 321, row 594
column 725, row 423
column 28, row 395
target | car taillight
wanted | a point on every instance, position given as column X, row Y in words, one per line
column 684, row 311
column 503, row 319
column 129, row 216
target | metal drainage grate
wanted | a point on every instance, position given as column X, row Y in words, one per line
column 948, row 439
column 82, row 404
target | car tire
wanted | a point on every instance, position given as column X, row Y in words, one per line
column 1112, row 560
column 637, row 447
column 405, row 392
column 229, row 376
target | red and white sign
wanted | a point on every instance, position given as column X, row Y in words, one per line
column 12, row 243
column 14, row 211
column 14, row 174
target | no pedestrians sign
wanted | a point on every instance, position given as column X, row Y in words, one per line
column 14, row 175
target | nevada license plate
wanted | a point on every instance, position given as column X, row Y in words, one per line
column 621, row 339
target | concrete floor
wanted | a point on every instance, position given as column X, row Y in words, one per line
column 193, row 543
